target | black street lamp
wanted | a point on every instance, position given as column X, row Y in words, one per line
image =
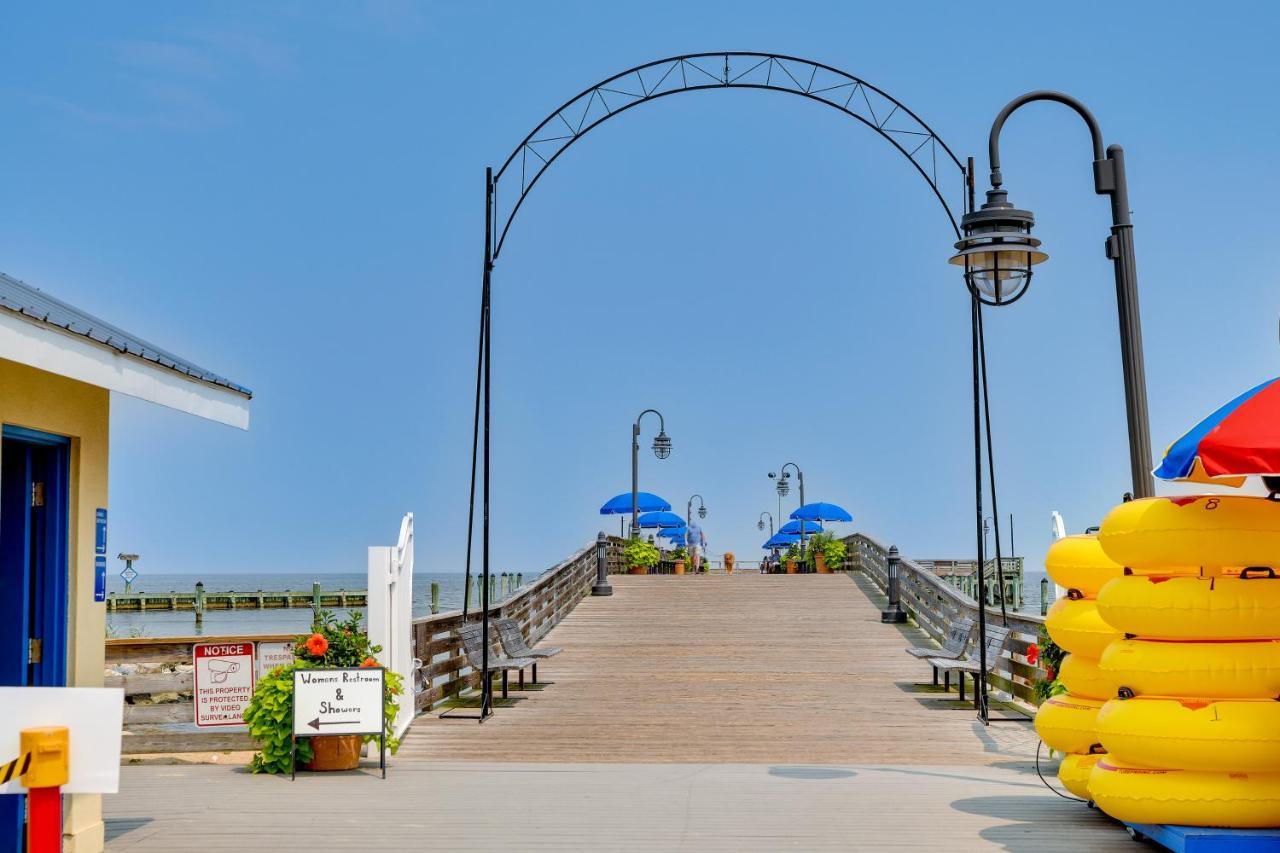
column 688, row 510
column 760, row 522
column 782, row 476
column 661, row 449
column 998, row 252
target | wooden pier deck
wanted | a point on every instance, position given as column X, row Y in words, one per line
column 741, row 712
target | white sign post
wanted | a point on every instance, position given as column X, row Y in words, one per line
column 224, row 678
column 391, row 616
column 339, row 702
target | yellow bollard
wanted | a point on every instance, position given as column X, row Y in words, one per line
column 49, row 770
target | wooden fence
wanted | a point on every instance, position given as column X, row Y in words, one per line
column 934, row 605
column 539, row 607
column 157, row 673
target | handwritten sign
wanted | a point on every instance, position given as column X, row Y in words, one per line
column 337, row 701
column 224, row 678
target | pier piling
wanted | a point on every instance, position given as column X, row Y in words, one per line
column 199, row 602
column 435, row 597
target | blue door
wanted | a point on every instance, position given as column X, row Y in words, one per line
column 34, row 542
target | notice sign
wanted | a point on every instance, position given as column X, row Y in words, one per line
column 272, row 655
column 337, row 701
column 224, row 682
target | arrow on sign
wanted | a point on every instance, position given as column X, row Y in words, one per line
column 316, row 724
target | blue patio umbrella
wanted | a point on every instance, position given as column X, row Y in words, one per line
column 674, row 532
column 621, row 505
column 660, row 519
column 808, row 528
column 821, row 512
column 675, row 536
column 781, row 540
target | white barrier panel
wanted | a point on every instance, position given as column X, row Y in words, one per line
column 391, row 614
column 94, row 716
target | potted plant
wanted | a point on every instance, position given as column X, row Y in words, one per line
column 640, row 557
column 792, row 559
column 270, row 712
column 826, row 552
column 679, row 556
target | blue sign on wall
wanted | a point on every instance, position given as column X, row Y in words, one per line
column 100, row 531
column 100, row 578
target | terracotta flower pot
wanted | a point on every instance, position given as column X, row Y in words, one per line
column 679, row 569
column 638, row 570
column 334, row 752
column 791, row 567
column 820, row 561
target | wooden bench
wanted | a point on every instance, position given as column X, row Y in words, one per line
column 952, row 649
column 514, row 644
column 470, row 633
column 997, row 637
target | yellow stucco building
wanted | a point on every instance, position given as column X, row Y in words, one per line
column 59, row 368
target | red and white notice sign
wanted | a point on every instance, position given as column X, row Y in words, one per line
column 224, row 676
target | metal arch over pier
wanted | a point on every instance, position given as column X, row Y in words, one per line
column 776, row 72
column 893, row 121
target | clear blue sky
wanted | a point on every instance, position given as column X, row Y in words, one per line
column 290, row 194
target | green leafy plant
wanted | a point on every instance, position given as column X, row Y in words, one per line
column 792, row 553
column 270, row 712
column 640, row 553
column 832, row 549
column 680, row 553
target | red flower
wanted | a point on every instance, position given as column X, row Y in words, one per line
column 1052, row 674
column 1033, row 654
column 369, row 662
column 317, row 645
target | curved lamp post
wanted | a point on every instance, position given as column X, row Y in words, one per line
column 760, row 522
column 688, row 510
column 661, row 449
column 998, row 253
column 782, row 476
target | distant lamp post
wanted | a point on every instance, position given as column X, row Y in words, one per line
column 129, row 573
column 661, row 449
column 894, row 612
column 760, row 523
column 782, row 476
column 688, row 512
column 998, row 252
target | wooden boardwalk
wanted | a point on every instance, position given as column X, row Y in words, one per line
column 738, row 668
column 741, row 713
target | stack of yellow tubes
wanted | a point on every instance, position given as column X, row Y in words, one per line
column 1067, row 723
column 1193, row 736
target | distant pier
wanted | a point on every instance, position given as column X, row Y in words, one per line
column 199, row 600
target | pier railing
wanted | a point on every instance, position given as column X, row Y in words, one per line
column 443, row 671
column 934, row 604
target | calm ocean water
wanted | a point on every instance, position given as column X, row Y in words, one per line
column 229, row 622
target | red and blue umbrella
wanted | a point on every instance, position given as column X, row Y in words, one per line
column 1240, row 439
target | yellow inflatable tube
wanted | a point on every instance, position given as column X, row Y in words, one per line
column 1077, row 626
column 1213, row 531
column 1183, row 608
column 1068, row 723
column 1074, row 772
column 1192, row 798
column 1225, row 734
column 1079, row 563
column 1216, row 670
column 1084, row 677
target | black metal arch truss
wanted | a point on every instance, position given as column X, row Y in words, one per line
column 851, row 95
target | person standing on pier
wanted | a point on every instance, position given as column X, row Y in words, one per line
column 697, row 544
